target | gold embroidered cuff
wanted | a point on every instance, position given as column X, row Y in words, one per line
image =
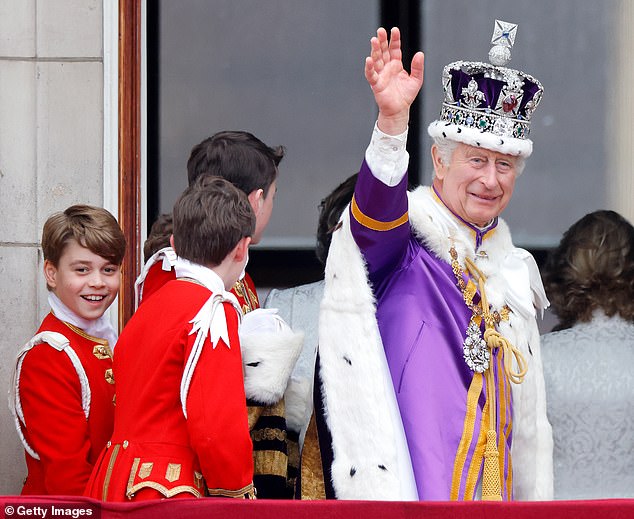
column 247, row 492
column 373, row 224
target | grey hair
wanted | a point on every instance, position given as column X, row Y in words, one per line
column 446, row 148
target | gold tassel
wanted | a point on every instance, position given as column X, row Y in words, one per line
column 491, row 489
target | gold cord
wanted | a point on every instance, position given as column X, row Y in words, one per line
column 491, row 477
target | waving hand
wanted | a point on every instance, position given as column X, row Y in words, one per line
column 394, row 88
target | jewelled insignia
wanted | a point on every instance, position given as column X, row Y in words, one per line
column 502, row 40
column 475, row 351
column 109, row 376
column 471, row 96
column 504, row 33
column 503, row 127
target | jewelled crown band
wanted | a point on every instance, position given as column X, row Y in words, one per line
column 487, row 104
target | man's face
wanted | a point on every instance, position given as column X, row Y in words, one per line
column 477, row 184
column 84, row 281
column 263, row 207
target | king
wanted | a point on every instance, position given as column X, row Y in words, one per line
column 429, row 380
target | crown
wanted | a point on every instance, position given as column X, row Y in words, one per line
column 488, row 104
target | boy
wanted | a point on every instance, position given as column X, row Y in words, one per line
column 62, row 395
column 251, row 166
column 181, row 426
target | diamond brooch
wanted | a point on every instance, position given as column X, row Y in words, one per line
column 475, row 351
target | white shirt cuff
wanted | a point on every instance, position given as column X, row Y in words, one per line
column 387, row 156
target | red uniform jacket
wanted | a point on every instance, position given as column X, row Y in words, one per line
column 50, row 395
column 155, row 451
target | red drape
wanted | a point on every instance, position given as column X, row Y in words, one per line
column 34, row 506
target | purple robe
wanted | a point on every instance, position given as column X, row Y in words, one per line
column 423, row 319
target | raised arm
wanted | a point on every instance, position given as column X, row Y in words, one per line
column 394, row 88
column 379, row 218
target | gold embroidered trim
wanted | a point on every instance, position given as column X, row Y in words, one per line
column 509, row 425
column 251, row 300
column 502, row 420
column 173, row 472
column 473, row 395
column 292, row 448
column 268, row 434
column 83, row 334
column 478, row 454
column 111, row 462
column 270, row 463
column 132, row 489
column 509, row 480
column 253, row 413
column 162, row 489
column 238, row 288
column 146, row 469
column 312, row 470
column 373, row 224
column 135, row 463
column 191, row 280
column 247, row 492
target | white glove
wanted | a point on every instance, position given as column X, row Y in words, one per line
column 262, row 320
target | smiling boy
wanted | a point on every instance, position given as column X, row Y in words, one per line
column 62, row 395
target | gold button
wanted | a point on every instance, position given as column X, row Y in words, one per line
column 109, row 376
column 101, row 352
column 109, row 444
column 125, row 444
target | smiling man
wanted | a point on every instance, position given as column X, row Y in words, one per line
column 429, row 377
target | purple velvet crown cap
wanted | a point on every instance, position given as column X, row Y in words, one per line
column 487, row 104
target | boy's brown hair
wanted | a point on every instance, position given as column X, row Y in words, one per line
column 210, row 218
column 159, row 236
column 91, row 227
column 238, row 156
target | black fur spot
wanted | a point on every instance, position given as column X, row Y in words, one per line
column 501, row 142
column 347, row 360
column 353, row 471
column 478, row 143
column 382, row 467
column 459, row 130
column 444, row 135
column 253, row 364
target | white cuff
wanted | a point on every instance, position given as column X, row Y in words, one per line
column 387, row 156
